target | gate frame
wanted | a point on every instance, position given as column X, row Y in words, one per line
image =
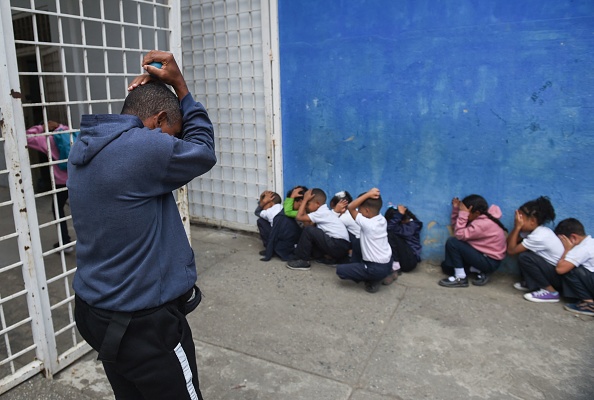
column 24, row 212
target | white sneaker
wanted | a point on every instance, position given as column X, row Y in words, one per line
column 521, row 287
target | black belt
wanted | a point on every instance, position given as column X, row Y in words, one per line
column 119, row 322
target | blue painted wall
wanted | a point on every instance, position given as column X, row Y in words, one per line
column 428, row 100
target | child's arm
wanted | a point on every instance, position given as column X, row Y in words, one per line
column 302, row 212
column 371, row 194
column 340, row 207
column 395, row 222
column 288, row 207
column 407, row 229
column 265, row 203
column 514, row 244
column 564, row 266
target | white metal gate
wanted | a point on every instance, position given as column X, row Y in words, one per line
column 62, row 59
column 230, row 52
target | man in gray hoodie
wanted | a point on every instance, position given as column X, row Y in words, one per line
column 135, row 267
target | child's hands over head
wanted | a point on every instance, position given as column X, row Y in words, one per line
column 463, row 207
column 307, row 196
column 341, row 206
column 268, row 196
column 456, row 202
column 401, row 209
column 567, row 243
column 296, row 192
column 374, row 193
column 518, row 219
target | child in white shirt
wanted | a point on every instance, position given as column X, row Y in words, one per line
column 339, row 204
column 375, row 249
column 538, row 253
column 268, row 208
column 577, row 266
column 328, row 238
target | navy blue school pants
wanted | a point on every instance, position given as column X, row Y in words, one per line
column 459, row 254
column 537, row 272
column 402, row 252
column 579, row 284
column 365, row 271
column 314, row 243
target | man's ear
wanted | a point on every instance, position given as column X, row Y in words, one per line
column 161, row 118
column 150, row 122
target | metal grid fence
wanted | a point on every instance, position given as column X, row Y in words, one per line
column 64, row 58
column 225, row 67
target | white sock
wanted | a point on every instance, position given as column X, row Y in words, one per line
column 475, row 270
column 395, row 266
column 460, row 273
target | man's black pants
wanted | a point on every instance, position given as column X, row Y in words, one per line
column 156, row 358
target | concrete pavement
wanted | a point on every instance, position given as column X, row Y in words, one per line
column 266, row 332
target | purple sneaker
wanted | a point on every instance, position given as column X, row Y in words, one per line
column 542, row 296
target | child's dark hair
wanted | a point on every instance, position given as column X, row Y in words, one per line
column 540, row 208
column 276, row 199
column 569, row 226
column 408, row 215
column 480, row 205
column 344, row 195
column 303, row 190
column 373, row 204
column 319, row 195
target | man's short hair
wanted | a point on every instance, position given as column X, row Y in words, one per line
column 150, row 99
column 319, row 195
column 373, row 204
column 569, row 226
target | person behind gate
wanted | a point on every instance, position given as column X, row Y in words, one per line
column 136, row 272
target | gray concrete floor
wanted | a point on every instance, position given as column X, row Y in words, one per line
column 266, row 332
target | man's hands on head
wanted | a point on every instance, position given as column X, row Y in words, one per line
column 169, row 73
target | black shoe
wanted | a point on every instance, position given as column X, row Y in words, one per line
column 327, row 261
column 262, row 252
column 388, row 280
column 372, row 287
column 481, row 279
column 298, row 265
column 457, row 282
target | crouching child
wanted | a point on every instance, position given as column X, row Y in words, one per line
column 375, row 249
column 576, row 265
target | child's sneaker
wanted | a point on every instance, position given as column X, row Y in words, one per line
column 542, row 296
column 453, row 281
column 583, row 308
column 372, row 287
column 521, row 286
column 302, row 265
column 388, row 280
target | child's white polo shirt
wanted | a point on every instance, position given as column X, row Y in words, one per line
column 544, row 243
column 270, row 213
column 582, row 254
column 328, row 222
column 374, row 239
